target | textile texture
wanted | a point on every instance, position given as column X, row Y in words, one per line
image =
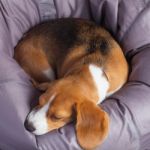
column 129, row 108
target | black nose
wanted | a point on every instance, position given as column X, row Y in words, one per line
column 29, row 126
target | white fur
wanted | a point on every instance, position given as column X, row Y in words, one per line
column 38, row 118
column 49, row 73
column 100, row 80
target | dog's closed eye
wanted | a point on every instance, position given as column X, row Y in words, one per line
column 55, row 117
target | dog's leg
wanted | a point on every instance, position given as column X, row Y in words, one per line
column 34, row 61
column 40, row 86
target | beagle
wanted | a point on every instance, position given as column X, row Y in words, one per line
column 77, row 64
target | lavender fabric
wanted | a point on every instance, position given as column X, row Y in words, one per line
column 129, row 108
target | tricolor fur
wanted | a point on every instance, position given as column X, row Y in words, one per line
column 77, row 64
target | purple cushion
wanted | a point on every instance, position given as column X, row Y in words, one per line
column 128, row 109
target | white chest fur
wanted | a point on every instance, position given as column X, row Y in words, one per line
column 100, row 81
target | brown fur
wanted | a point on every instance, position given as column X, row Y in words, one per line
column 68, row 46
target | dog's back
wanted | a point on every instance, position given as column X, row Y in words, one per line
column 50, row 49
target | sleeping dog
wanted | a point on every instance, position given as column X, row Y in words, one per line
column 77, row 64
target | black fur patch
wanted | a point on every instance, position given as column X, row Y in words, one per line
column 65, row 32
column 100, row 44
column 92, row 46
column 104, row 46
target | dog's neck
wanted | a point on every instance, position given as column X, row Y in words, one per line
column 90, row 80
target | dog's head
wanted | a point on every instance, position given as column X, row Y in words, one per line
column 64, row 102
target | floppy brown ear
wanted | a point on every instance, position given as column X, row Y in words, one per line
column 92, row 125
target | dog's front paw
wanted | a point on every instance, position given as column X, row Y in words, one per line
column 40, row 86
